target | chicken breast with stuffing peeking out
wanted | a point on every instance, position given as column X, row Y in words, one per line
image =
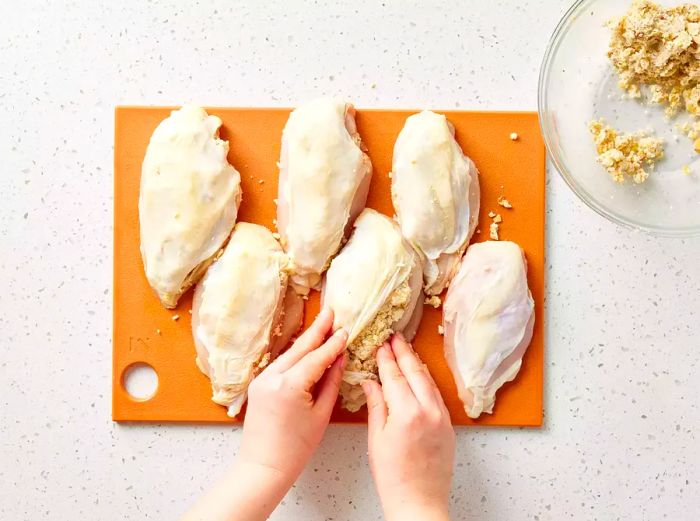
column 188, row 201
column 374, row 289
column 323, row 185
column 243, row 313
column 488, row 320
column 435, row 191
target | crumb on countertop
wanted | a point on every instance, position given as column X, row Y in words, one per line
column 176, row 318
column 433, row 301
column 514, row 136
column 625, row 155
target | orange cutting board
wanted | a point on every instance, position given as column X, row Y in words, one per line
column 145, row 332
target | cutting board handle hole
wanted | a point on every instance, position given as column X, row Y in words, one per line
column 140, row 381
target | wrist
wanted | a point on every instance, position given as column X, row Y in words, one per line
column 416, row 511
column 259, row 487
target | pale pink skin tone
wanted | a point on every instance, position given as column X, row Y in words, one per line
column 289, row 407
column 411, row 440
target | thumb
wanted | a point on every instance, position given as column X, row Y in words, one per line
column 329, row 385
column 376, row 406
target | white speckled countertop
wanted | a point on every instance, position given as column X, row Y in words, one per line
column 623, row 331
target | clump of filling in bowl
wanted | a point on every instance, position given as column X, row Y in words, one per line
column 660, row 48
column 625, row 156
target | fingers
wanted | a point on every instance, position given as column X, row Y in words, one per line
column 415, row 372
column 329, row 386
column 307, row 342
column 376, row 406
column 313, row 365
column 397, row 391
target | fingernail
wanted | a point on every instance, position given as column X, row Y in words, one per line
column 400, row 336
column 324, row 313
column 341, row 333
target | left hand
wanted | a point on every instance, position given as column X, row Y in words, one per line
column 289, row 407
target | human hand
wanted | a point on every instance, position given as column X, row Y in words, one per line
column 290, row 402
column 289, row 406
column 411, row 439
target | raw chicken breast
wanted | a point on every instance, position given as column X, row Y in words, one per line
column 243, row 313
column 188, row 201
column 435, row 191
column 374, row 288
column 323, row 185
column 488, row 318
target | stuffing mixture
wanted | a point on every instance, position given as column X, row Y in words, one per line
column 625, row 155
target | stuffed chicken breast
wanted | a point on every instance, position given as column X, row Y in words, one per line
column 244, row 313
column 374, row 288
column 323, row 185
column 435, row 191
column 188, row 201
column 488, row 320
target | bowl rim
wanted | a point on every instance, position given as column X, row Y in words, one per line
column 545, row 69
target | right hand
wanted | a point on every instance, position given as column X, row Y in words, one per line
column 411, row 439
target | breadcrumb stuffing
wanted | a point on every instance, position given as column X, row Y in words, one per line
column 505, row 203
column 433, row 301
column 659, row 47
column 625, row 155
column 362, row 350
column 264, row 361
column 497, row 218
column 492, row 214
column 493, row 231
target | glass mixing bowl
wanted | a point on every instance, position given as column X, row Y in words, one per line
column 577, row 84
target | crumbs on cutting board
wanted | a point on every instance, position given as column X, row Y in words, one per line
column 434, row 301
column 505, row 203
column 497, row 219
column 493, row 231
